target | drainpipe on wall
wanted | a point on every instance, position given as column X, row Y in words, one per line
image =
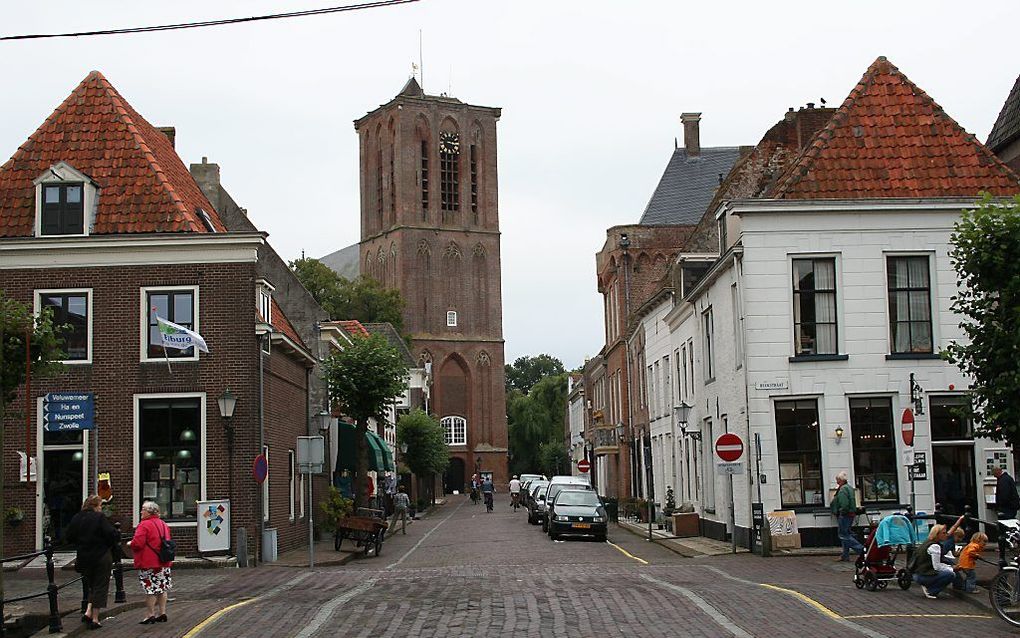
column 262, row 441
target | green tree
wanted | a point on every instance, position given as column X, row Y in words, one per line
column 21, row 331
column 427, row 453
column 985, row 249
column 363, row 299
column 363, row 380
column 526, row 371
column 553, row 459
column 535, row 418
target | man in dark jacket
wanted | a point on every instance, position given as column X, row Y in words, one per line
column 1007, row 501
column 844, row 508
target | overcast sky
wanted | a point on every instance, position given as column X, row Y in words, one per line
column 591, row 94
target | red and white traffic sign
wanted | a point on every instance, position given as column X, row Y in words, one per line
column 583, row 466
column 729, row 447
column 907, row 427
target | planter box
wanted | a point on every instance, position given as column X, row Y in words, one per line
column 687, row 524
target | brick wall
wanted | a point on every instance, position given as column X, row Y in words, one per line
column 226, row 316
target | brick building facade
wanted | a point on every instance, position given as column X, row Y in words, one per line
column 101, row 222
column 430, row 228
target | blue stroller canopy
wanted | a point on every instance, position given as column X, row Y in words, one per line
column 895, row 529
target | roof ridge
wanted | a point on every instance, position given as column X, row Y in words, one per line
column 803, row 165
column 150, row 156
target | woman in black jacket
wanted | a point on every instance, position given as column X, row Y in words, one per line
column 94, row 538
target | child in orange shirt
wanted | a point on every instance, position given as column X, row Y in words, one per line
column 966, row 575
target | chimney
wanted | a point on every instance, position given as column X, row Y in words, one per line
column 692, row 139
column 170, row 132
column 207, row 176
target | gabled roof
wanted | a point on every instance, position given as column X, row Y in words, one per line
column 687, row 186
column 143, row 185
column 393, row 337
column 889, row 139
column 1007, row 125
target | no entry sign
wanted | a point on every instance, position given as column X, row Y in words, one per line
column 908, row 427
column 583, row 466
column 729, row 447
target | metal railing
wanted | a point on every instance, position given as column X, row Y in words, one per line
column 968, row 520
column 52, row 588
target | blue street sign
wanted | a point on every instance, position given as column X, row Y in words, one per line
column 68, row 411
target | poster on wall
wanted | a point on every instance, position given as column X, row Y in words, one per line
column 214, row 525
column 996, row 457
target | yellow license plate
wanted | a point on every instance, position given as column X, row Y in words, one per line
column 581, row 525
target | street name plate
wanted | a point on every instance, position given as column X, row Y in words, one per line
column 730, row 468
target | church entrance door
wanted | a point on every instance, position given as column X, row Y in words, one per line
column 454, row 478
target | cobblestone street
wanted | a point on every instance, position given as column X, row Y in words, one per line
column 462, row 572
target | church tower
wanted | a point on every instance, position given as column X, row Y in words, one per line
column 430, row 228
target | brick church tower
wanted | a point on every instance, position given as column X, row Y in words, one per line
column 430, row 228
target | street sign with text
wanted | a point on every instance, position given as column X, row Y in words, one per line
column 68, row 411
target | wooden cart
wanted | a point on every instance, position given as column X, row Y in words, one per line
column 366, row 529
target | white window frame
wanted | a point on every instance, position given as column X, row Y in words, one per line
column 451, row 318
column 708, row 343
column 143, row 345
column 51, row 176
column 65, row 291
column 738, row 334
column 840, row 319
column 292, row 480
column 136, row 449
column 932, row 301
column 450, row 424
column 301, row 495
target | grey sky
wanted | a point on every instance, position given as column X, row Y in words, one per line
column 591, row 95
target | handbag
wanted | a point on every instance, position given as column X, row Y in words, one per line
column 167, row 551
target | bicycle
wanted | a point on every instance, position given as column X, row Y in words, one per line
column 488, row 501
column 474, row 496
column 1004, row 590
column 515, row 500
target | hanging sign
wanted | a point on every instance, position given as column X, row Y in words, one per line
column 68, row 411
column 105, row 490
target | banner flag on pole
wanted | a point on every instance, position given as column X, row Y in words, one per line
column 179, row 337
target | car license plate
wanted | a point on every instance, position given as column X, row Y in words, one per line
column 581, row 526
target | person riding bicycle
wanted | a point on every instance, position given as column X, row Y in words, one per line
column 487, row 489
column 515, row 492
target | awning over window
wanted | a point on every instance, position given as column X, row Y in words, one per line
column 380, row 458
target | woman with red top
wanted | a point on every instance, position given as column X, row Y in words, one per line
column 152, row 572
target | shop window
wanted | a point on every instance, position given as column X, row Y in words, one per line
column 454, row 430
column 800, row 456
column 178, row 306
column 814, row 306
column 875, row 464
column 63, row 209
column 170, row 449
column 72, row 316
column 949, row 417
column 909, row 305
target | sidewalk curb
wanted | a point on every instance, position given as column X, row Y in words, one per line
column 978, row 599
column 676, row 548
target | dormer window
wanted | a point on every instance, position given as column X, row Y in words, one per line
column 63, row 211
column 65, row 199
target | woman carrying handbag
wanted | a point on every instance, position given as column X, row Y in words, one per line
column 153, row 551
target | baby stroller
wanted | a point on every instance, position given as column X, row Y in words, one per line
column 877, row 566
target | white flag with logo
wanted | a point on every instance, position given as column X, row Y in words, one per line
column 179, row 337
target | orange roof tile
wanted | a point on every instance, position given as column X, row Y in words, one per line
column 353, row 327
column 144, row 186
column 890, row 139
column 282, row 324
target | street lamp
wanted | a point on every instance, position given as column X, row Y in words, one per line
column 682, row 413
column 227, row 402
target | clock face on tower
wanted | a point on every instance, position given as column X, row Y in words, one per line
column 449, row 143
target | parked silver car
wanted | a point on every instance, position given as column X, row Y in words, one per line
column 536, row 504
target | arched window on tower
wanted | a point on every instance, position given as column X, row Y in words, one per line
column 449, row 174
column 379, row 177
column 454, row 430
column 474, row 160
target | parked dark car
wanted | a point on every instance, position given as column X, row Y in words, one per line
column 536, row 504
column 559, row 483
column 577, row 513
column 529, row 490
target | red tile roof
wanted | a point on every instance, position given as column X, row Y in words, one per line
column 889, row 139
column 144, row 186
column 353, row 327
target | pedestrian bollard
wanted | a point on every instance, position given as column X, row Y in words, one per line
column 51, row 588
column 118, row 569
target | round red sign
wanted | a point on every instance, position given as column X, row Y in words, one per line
column 260, row 468
column 583, row 466
column 908, row 427
column 729, row 447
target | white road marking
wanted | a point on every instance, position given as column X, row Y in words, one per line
column 327, row 610
column 721, row 619
column 423, row 538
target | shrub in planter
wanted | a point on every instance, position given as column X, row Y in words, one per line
column 14, row 515
column 670, row 506
column 335, row 507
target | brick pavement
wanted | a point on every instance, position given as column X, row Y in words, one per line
column 463, row 572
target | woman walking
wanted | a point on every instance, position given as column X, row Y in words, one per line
column 94, row 538
column 153, row 573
